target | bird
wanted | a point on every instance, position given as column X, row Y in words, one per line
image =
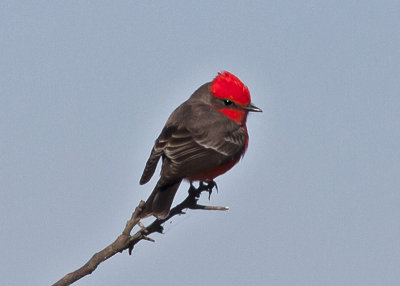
column 203, row 138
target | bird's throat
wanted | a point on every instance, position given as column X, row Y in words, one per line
column 239, row 116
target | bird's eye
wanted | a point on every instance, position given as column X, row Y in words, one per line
column 227, row 102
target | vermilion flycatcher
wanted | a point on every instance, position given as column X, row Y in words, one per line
column 202, row 139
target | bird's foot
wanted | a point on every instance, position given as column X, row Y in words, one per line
column 208, row 186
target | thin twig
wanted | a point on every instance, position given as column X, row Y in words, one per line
column 127, row 241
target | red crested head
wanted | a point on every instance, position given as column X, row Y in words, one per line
column 227, row 86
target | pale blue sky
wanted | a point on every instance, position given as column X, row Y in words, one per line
column 85, row 88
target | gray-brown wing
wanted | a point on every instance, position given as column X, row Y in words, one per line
column 202, row 146
column 196, row 138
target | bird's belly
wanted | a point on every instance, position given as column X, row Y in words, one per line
column 213, row 173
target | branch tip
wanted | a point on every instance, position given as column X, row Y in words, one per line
column 145, row 237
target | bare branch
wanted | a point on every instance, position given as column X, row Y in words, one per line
column 127, row 241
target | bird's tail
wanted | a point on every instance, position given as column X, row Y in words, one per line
column 160, row 200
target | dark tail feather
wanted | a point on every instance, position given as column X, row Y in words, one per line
column 160, row 201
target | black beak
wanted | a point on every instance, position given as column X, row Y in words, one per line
column 252, row 107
